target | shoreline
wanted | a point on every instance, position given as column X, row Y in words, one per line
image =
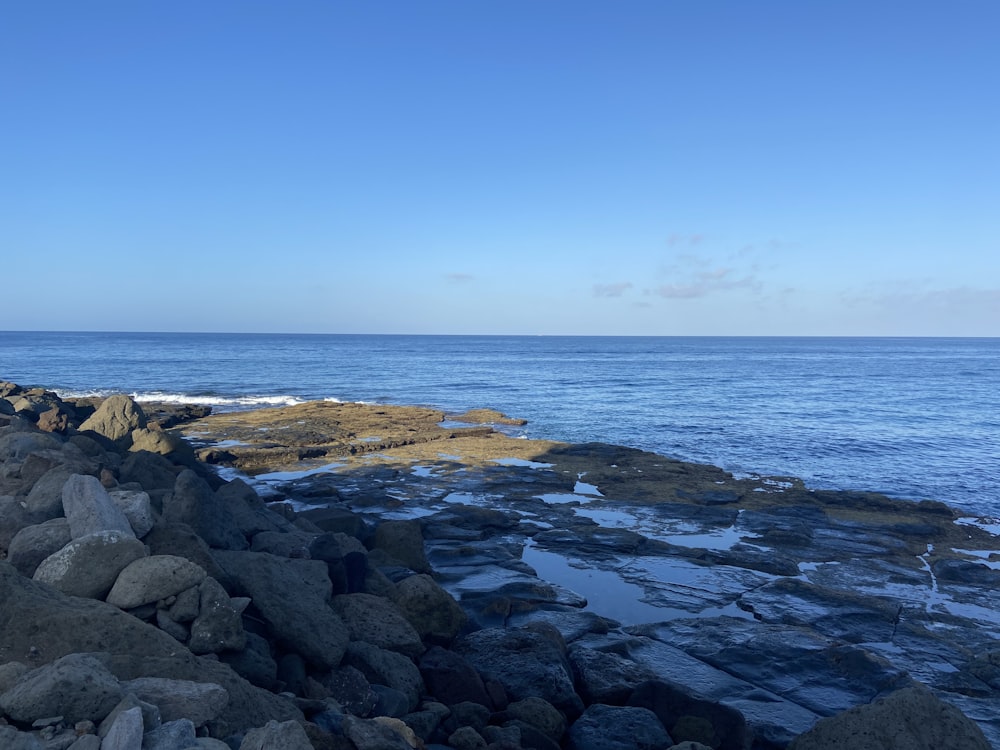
column 790, row 560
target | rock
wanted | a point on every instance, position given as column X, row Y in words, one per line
column 379, row 622
column 909, row 719
column 218, row 626
column 137, row 508
column 292, row 597
column 63, row 625
column 527, row 663
column 16, row 446
column 617, row 728
column 390, row 702
column 283, row 544
column 434, row 613
column 186, row 605
column 115, row 419
column 688, row 718
column 538, row 713
column 150, row 470
column 89, row 508
column 180, row 699
column 11, row 739
column 346, row 559
column 126, row 732
column 171, row 736
column 150, row 714
column 53, row 420
column 33, row 544
column 607, row 678
column 466, row 738
column 150, row 579
column 88, row 566
column 386, row 668
column 45, row 496
column 403, row 541
column 254, row 662
column 246, row 509
column 77, row 687
column 10, row 673
column 194, row 503
column 367, row 734
column 86, row 742
column 451, row 678
column 179, row 539
column 154, row 441
column 287, row 735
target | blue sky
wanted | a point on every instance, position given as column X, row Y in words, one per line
column 518, row 167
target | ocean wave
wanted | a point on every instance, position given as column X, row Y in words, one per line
column 198, row 399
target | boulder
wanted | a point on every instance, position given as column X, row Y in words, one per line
column 63, row 625
column 248, row 512
column 45, row 496
column 150, row 714
column 115, row 419
column 150, row 579
column 138, row 509
column 33, row 544
column 254, row 663
column 219, row 625
column 373, row 735
column 150, row 470
column 180, row 699
column 287, row 735
column 688, row 718
column 377, row 621
column 346, row 559
column 16, row 446
column 154, row 441
column 617, row 728
column 292, row 597
column 909, row 719
column 608, row 678
column 78, row 687
column 526, row 662
column 179, row 539
column 172, row 735
column 540, row 714
column 126, row 731
column 451, row 678
column 14, row 517
column 11, row 739
column 388, row 668
column 432, row 611
column 403, row 541
column 194, row 503
column 89, row 508
column 88, row 566
column 54, row 419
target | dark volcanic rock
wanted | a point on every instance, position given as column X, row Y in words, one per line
column 618, row 728
column 526, row 662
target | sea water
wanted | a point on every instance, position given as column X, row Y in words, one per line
column 911, row 417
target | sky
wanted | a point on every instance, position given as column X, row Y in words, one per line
column 535, row 167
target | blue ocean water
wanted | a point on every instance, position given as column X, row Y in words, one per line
column 914, row 418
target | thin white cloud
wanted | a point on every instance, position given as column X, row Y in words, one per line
column 460, row 278
column 701, row 283
column 612, row 290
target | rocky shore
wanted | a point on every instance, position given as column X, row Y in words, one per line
column 385, row 578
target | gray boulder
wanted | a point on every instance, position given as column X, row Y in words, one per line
column 287, row 735
column 10, row 673
column 389, row 668
column 154, row 441
column 45, row 496
column 219, row 625
column 378, row 621
column 33, row 544
column 431, row 610
column 172, row 735
column 194, row 503
column 403, row 541
column 373, row 735
column 151, row 470
column 150, row 714
column 88, row 566
column 526, row 662
column 89, row 508
column 451, row 678
column 138, row 509
column 248, row 511
column 11, row 739
column 293, row 598
column 604, row 727
column 150, row 579
column 603, row 677
column 540, row 714
column 14, row 516
column 126, row 731
column 115, row 419
column 78, row 687
column 909, row 719
column 64, row 625
column 180, row 699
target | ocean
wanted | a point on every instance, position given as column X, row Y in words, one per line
column 911, row 417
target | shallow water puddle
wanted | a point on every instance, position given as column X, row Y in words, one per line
column 288, row 476
column 521, row 463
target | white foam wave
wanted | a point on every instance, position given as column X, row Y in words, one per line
column 206, row 400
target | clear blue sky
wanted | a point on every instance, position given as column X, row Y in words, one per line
column 509, row 166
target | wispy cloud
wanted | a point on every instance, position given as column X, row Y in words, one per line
column 695, row 277
column 685, row 240
column 612, row 290
column 460, row 278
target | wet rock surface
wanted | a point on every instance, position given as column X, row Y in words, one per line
column 391, row 576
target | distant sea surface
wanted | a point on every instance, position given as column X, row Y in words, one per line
column 911, row 417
